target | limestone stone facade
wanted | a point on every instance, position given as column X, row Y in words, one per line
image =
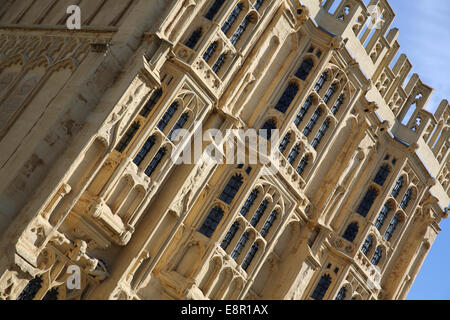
column 86, row 119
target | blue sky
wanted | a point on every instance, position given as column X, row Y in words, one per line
column 425, row 39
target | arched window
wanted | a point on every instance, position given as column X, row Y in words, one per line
column 219, row 63
column 322, row 287
column 398, row 186
column 391, row 228
column 285, row 142
column 367, row 202
column 382, row 216
column 230, row 235
column 293, row 154
column 250, row 255
column 321, row 133
column 32, row 288
column 155, row 161
column 259, row 213
column 287, row 97
column 367, row 245
column 231, row 189
column 301, row 114
column 269, row 223
column 319, row 84
column 210, row 51
column 193, row 39
column 258, row 4
column 341, row 294
column 377, row 256
column 249, row 202
column 310, row 126
column 302, row 165
column 330, row 92
column 148, row 145
column 232, row 18
column 167, row 116
column 214, row 9
column 240, row 245
column 240, row 30
column 179, row 125
column 211, row 222
column 337, row 105
column 151, row 103
column 305, row 68
column 351, row 232
column 129, row 135
column 267, row 129
column 382, row 175
column 406, row 199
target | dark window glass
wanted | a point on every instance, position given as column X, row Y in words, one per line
column 259, row 213
column 406, row 199
column 167, row 116
column 305, row 68
column 382, row 175
column 269, row 223
column 193, row 39
column 321, row 288
column 341, row 294
column 367, row 202
column 310, row 126
column 377, row 256
column 240, row 30
column 258, row 4
column 151, row 103
column 382, row 216
column 179, row 125
column 285, row 142
column 287, row 98
column 293, row 154
column 232, row 18
column 337, row 105
column 321, row 133
column 214, row 9
column 391, row 228
column 250, row 255
column 231, row 189
column 219, row 63
column 319, row 84
column 210, row 51
column 155, row 161
column 211, row 222
column 31, row 289
column 240, row 246
column 51, row 295
column 351, row 232
column 398, row 186
column 230, row 235
column 148, row 145
column 301, row 114
column 330, row 92
column 367, row 245
column 267, row 129
column 249, row 202
column 302, row 165
column 129, row 135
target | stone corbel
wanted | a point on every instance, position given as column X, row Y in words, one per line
column 101, row 212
